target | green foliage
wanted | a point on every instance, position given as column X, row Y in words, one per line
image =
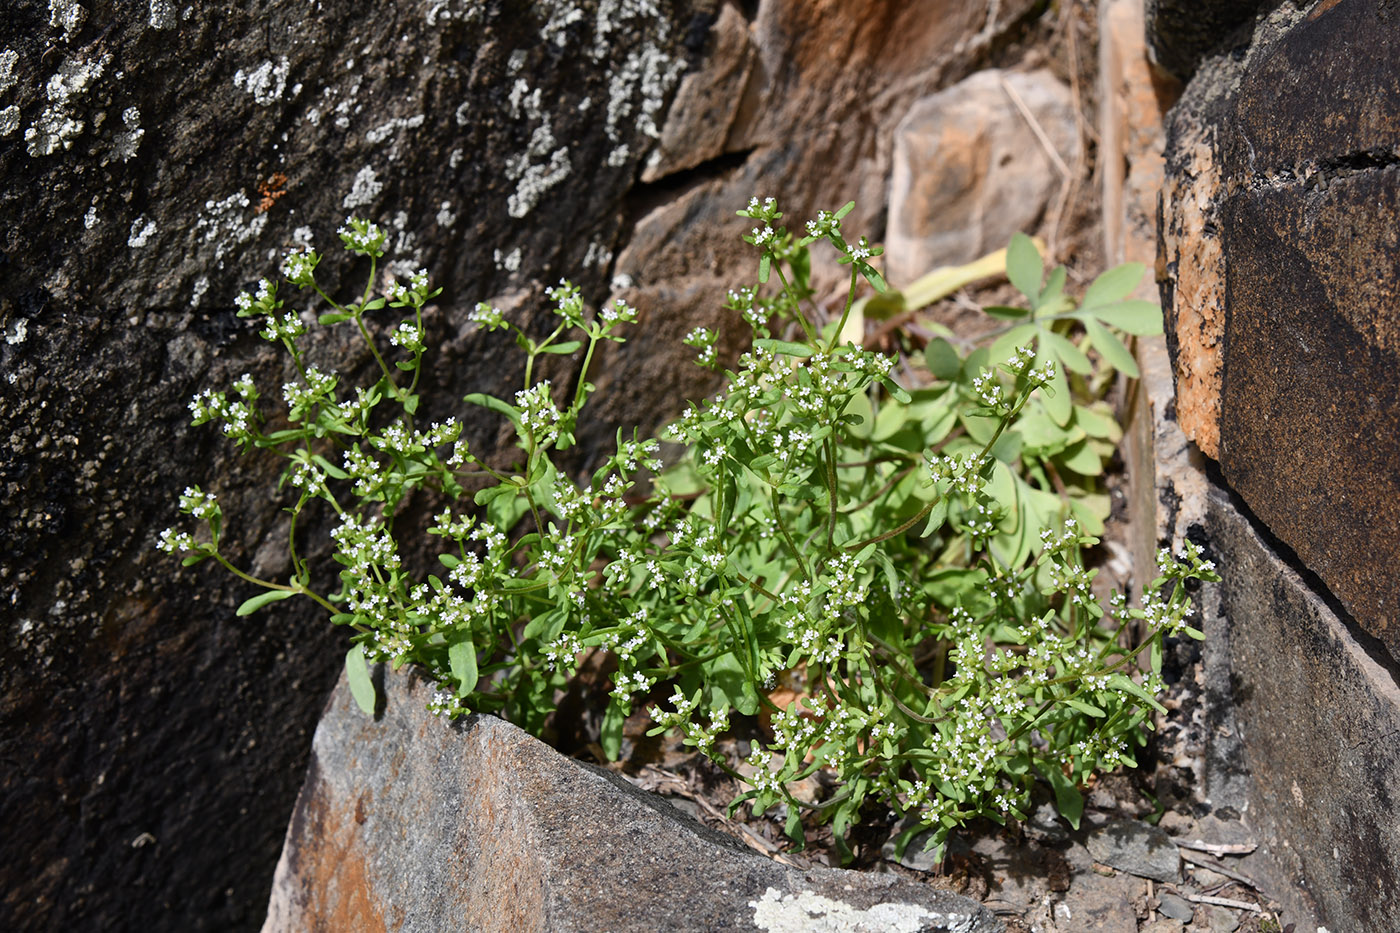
column 909, row 559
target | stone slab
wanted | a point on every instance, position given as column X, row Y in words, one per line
column 411, row 823
column 1310, row 410
column 1317, row 710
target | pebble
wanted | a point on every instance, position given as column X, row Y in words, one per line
column 1137, row 848
column 1177, row 908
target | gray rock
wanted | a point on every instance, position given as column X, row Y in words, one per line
column 1177, row 908
column 970, row 170
column 415, row 823
column 1222, row 919
column 1137, row 848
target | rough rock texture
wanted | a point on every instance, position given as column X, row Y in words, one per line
column 974, row 164
column 1181, row 33
column 159, row 157
column 1317, row 710
column 1280, row 239
column 408, row 822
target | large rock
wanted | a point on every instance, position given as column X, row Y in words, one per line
column 974, row 164
column 1316, row 712
column 157, row 159
column 409, row 822
column 1280, row 236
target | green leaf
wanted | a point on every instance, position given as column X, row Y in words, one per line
column 1126, row 684
column 563, row 349
column 1088, row 709
column 1024, row 267
column 799, row 350
column 1082, row 459
column 764, row 265
column 495, row 404
column 897, row 393
column 1115, row 284
column 357, row 674
column 461, row 657
column 1054, row 286
column 491, row 493
column 251, row 606
column 942, row 359
column 1005, row 312
column 873, row 277
column 1069, row 354
column 1067, row 797
column 1020, row 335
column 1142, row 318
column 334, row 317
column 1111, row 348
column 845, row 209
column 1056, row 397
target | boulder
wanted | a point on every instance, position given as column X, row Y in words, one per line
column 974, row 164
column 1281, row 249
column 410, row 822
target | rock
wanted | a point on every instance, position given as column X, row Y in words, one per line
column 1095, row 903
column 1222, row 919
column 1313, row 708
column 970, row 168
column 158, row 159
column 416, row 823
column 1137, row 848
column 1046, row 823
column 1175, row 908
column 1182, row 32
column 1280, row 243
column 1160, row 925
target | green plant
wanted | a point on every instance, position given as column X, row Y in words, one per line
column 910, row 560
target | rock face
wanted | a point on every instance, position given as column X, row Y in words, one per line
column 408, row 822
column 1281, row 244
column 160, row 157
column 1315, row 716
column 975, row 164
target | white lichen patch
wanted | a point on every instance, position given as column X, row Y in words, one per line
column 90, row 219
column 364, row 189
column 441, row 12
column 808, row 912
column 58, row 126
column 162, row 14
column 597, row 255
column 201, row 286
column 9, row 120
column 445, row 218
column 618, row 157
column 141, row 232
column 225, row 224
column 301, row 237
column 508, row 261
column 126, row 142
column 454, row 158
column 266, row 82
column 384, row 130
column 67, row 15
column 9, row 58
column 18, row 332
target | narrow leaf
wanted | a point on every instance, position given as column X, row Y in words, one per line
column 787, row 348
column 1115, row 284
column 357, row 674
column 1111, row 348
column 461, row 657
column 1143, row 318
column 1024, row 267
column 251, row 606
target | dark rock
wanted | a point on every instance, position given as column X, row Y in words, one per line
column 158, row 158
column 1280, row 246
column 1175, row 908
column 1318, row 709
column 1182, row 32
column 1137, row 848
column 414, row 823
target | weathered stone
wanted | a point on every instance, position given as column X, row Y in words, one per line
column 1175, row 908
column 1182, row 32
column 1280, row 247
column 158, row 158
column 409, row 822
column 1137, row 848
column 974, row 164
column 1318, row 709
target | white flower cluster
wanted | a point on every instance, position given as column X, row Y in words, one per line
column 300, row 398
column 363, row 237
column 198, row 503
column 288, row 327
column 487, row 316
column 617, row 312
column 237, row 416
column 300, row 267
column 409, row 335
column 963, row 474
column 703, row 339
column 538, row 413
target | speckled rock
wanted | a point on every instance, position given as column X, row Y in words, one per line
column 411, row 823
column 1280, row 247
column 157, row 159
column 1316, row 713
